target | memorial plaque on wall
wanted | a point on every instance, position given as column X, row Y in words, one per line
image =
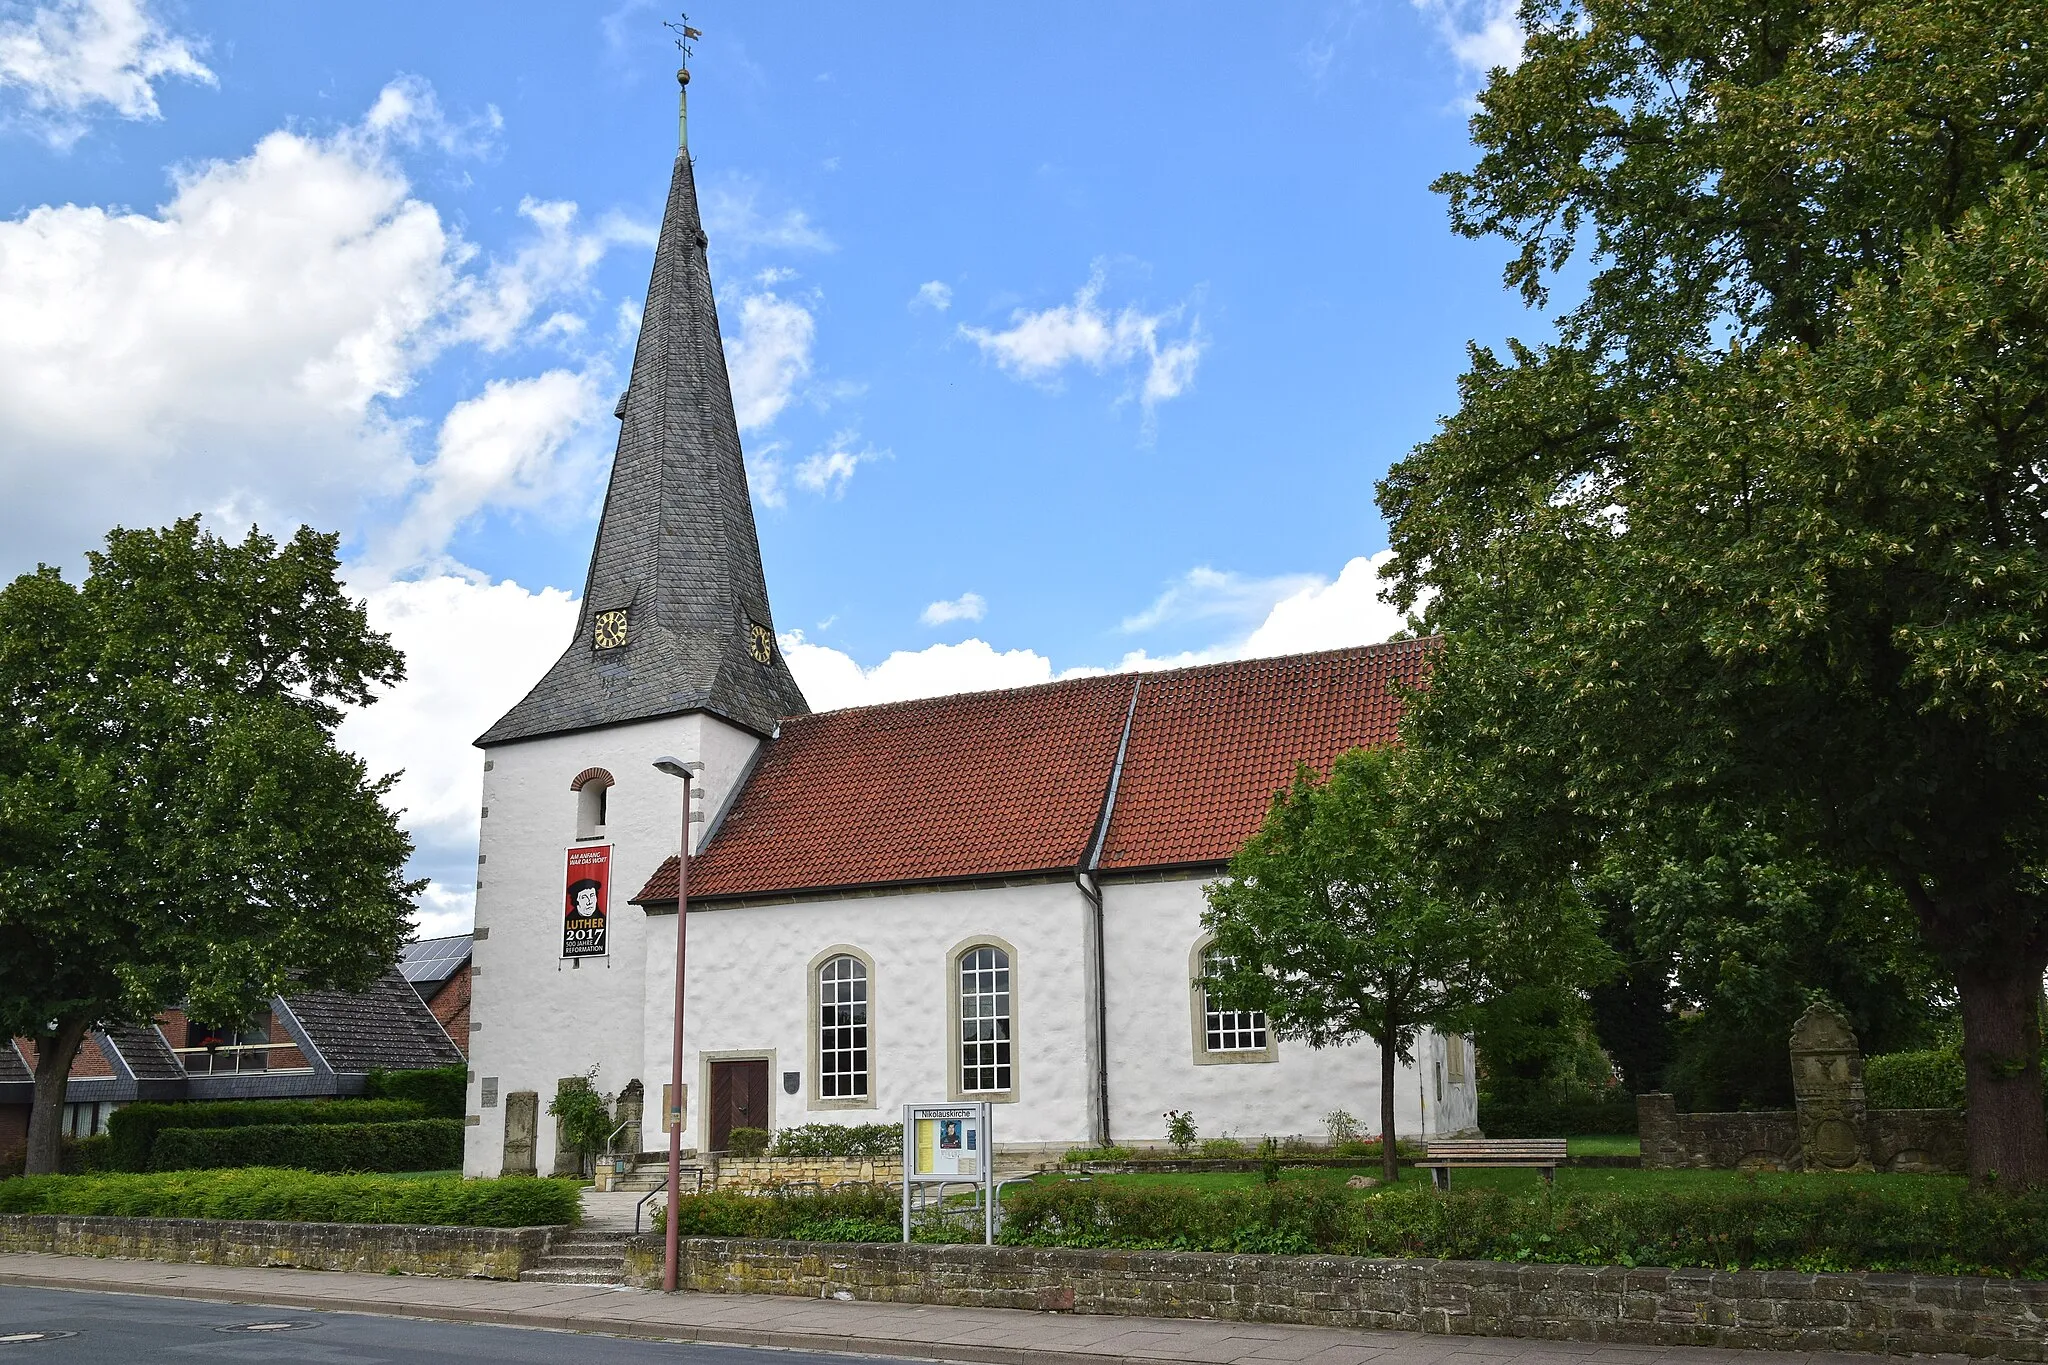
column 587, row 901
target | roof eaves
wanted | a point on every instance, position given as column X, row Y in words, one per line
column 1057, row 872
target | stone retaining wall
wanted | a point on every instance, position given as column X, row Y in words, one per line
column 1923, row 1141
column 1777, row 1310
column 472, row 1253
column 767, row 1172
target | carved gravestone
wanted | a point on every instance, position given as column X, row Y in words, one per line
column 632, row 1103
column 568, row 1161
column 522, row 1120
column 1827, row 1081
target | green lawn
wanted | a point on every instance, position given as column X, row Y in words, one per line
column 1569, row 1180
column 1603, row 1145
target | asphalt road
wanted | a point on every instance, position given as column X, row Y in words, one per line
column 69, row 1327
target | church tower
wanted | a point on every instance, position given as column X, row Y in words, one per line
column 674, row 655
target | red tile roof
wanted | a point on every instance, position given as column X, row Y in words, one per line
column 989, row 784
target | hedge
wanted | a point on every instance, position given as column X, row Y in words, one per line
column 413, row 1145
column 864, row 1141
column 845, row 1213
column 1822, row 1225
column 1914, row 1080
column 1615, row 1118
column 442, row 1091
column 132, row 1129
column 301, row 1197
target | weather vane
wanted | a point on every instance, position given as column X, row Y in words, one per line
column 685, row 35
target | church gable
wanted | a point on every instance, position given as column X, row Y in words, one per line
column 995, row 784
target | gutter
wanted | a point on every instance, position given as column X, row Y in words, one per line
column 1091, row 891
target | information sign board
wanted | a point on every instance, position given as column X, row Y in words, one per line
column 949, row 1144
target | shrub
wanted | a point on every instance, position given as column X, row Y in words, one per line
column 1805, row 1225
column 585, row 1121
column 1343, row 1126
column 1614, row 1117
column 132, row 1129
column 1224, row 1148
column 87, row 1155
column 849, row 1213
column 413, row 1145
column 864, row 1141
column 1914, row 1080
column 301, row 1197
column 747, row 1142
column 1180, row 1130
column 442, row 1092
column 1099, row 1154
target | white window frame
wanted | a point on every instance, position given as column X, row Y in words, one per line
column 815, row 1096
column 1262, row 1044
column 957, row 1040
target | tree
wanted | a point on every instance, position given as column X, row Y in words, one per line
column 1331, row 922
column 177, row 826
column 1759, row 538
column 585, row 1122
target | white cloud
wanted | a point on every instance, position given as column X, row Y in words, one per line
column 520, row 443
column 471, row 650
column 235, row 351
column 768, row 356
column 1039, row 346
column 1481, row 34
column 736, row 222
column 968, row 606
column 70, row 58
column 1314, row 614
column 767, row 476
column 1206, row 594
column 936, row 295
column 831, row 679
column 408, row 113
column 829, row 471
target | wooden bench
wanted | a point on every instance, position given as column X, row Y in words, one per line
column 1450, row 1154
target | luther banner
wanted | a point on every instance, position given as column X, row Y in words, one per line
column 587, row 903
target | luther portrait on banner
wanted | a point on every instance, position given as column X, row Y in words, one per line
column 587, row 901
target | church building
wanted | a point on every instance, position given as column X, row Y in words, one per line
column 994, row 896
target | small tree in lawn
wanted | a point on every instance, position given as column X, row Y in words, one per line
column 1331, row 922
column 177, row 825
column 586, row 1123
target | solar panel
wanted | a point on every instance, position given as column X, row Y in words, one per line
column 434, row 959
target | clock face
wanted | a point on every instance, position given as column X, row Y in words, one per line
column 608, row 629
column 760, row 642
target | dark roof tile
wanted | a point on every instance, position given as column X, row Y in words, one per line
column 384, row 1027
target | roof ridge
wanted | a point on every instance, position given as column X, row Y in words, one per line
column 1216, row 665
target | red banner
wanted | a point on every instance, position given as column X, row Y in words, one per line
column 587, row 902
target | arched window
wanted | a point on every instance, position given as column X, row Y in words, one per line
column 1223, row 1033
column 593, row 789
column 985, row 1020
column 843, row 1028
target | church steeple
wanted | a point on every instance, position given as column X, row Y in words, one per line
column 675, row 610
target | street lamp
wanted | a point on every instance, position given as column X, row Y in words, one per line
column 676, row 767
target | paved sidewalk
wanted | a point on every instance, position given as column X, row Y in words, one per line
column 996, row 1336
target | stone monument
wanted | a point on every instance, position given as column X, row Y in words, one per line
column 1827, row 1085
column 522, row 1121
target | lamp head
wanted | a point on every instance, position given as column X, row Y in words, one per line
column 676, row 767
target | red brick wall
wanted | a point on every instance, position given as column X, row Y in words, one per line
column 88, row 1064
column 451, row 1006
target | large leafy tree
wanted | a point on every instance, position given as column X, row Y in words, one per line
column 1759, row 537
column 177, row 825
column 1333, row 922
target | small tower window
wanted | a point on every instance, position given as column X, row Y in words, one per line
column 593, row 792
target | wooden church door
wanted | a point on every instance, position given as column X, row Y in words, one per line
column 739, row 1099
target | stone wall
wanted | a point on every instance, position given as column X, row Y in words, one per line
column 470, row 1253
column 1776, row 1310
column 768, row 1172
column 1918, row 1141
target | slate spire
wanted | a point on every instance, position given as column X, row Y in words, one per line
column 676, row 550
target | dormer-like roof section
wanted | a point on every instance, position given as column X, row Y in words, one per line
column 994, row 784
column 676, row 548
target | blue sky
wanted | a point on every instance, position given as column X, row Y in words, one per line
column 1067, row 336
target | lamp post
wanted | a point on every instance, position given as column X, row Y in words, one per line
column 675, row 767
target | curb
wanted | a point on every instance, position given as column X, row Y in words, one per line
column 837, row 1343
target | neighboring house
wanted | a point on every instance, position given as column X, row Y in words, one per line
column 438, row 969
column 308, row 1045
column 995, row 896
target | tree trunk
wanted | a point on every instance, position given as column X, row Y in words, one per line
column 2008, row 1136
column 54, row 1055
column 1390, row 1171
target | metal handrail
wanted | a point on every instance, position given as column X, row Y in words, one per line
column 613, row 1135
column 662, row 1188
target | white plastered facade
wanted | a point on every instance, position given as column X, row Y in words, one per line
column 752, row 995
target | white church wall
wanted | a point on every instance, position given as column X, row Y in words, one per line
column 1150, row 931
column 750, row 995
column 536, row 1018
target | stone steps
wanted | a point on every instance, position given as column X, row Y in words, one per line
column 581, row 1258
